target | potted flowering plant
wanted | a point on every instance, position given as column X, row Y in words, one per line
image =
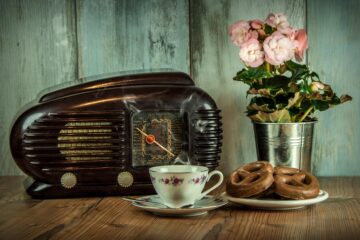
column 285, row 93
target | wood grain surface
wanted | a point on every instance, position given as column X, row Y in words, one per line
column 334, row 53
column 45, row 43
column 113, row 218
column 127, row 35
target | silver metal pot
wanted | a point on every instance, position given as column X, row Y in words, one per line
column 288, row 144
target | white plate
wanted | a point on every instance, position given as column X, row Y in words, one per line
column 199, row 208
column 275, row 204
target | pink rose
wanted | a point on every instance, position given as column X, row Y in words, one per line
column 239, row 32
column 278, row 21
column 289, row 31
column 257, row 24
column 252, row 34
column 301, row 44
column 278, row 48
column 251, row 54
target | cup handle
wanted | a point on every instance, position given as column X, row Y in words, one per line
column 221, row 178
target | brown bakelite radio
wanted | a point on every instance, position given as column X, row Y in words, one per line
column 101, row 137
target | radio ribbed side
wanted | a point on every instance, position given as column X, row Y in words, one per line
column 207, row 128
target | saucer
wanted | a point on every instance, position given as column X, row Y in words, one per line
column 276, row 204
column 200, row 207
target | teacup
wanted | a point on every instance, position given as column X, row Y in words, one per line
column 181, row 185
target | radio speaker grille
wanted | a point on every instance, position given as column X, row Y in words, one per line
column 76, row 149
column 61, row 140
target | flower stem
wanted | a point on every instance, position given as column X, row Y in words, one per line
column 306, row 113
column 267, row 67
column 281, row 115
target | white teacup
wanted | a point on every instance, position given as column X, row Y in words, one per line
column 181, row 185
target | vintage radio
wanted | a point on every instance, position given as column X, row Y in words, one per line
column 100, row 137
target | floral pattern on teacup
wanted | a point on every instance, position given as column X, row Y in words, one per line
column 153, row 179
column 199, row 180
column 175, row 181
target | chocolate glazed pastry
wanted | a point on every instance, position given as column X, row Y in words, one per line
column 295, row 184
column 283, row 170
column 250, row 180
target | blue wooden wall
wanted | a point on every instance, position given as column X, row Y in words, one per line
column 44, row 43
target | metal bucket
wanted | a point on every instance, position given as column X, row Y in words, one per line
column 288, row 144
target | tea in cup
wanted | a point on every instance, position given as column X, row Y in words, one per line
column 182, row 185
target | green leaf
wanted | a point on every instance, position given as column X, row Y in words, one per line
column 282, row 100
column 321, row 105
column 280, row 116
column 328, row 92
column 293, row 87
column 314, row 75
column 305, row 105
column 294, row 100
column 274, row 84
column 326, row 103
column 238, row 74
column 262, row 91
column 250, row 75
column 260, row 101
column 345, row 98
column 294, row 111
column 298, row 71
column 304, row 88
column 268, row 29
column 334, row 101
column 293, row 66
column 262, row 108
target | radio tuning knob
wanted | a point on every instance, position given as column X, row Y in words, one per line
column 125, row 179
column 68, row 180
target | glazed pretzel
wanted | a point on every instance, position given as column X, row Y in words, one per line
column 250, row 180
column 283, row 170
column 295, row 184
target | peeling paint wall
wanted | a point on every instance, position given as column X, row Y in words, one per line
column 45, row 43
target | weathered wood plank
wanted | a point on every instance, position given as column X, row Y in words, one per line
column 114, row 218
column 37, row 51
column 334, row 53
column 44, row 219
column 215, row 61
column 129, row 35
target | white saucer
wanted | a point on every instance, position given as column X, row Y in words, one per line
column 199, row 208
column 275, row 204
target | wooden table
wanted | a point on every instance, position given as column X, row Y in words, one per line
column 113, row 218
